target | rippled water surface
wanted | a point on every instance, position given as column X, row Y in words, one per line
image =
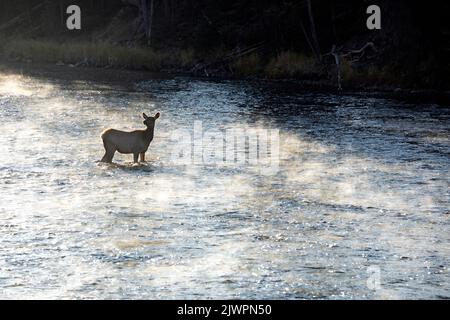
column 359, row 206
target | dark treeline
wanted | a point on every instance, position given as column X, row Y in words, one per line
column 413, row 43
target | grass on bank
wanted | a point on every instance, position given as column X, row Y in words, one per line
column 286, row 64
column 372, row 75
column 247, row 65
column 100, row 54
column 292, row 65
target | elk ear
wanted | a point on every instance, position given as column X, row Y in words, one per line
column 157, row 116
column 145, row 116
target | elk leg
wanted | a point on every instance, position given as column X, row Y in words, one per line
column 104, row 157
column 142, row 156
column 109, row 153
column 135, row 157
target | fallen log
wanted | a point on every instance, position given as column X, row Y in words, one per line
column 224, row 62
column 19, row 18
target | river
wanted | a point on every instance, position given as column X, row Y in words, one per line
column 355, row 204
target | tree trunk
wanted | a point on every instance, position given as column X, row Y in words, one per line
column 61, row 13
column 144, row 12
column 313, row 31
column 150, row 24
column 337, row 61
column 333, row 21
column 307, row 39
column 147, row 18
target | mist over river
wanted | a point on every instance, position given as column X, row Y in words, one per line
column 357, row 208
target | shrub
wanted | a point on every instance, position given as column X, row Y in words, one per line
column 291, row 64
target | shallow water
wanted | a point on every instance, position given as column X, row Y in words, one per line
column 358, row 207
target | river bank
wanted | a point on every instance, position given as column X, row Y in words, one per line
column 124, row 76
column 232, row 40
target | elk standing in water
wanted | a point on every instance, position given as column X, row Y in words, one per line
column 135, row 142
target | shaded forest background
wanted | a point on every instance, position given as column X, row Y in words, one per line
column 230, row 38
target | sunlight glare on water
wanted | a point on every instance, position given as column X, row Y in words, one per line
column 361, row 182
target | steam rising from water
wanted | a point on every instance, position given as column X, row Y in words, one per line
column 362, row 182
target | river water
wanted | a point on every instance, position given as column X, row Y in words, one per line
column 357, row 205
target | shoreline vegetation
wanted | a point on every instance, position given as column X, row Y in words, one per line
column 125, row 75
column 286, row 65
column 320, row 44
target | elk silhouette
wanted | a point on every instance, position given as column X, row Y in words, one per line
column 135, row 142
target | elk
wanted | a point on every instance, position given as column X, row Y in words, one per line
column 135, row 142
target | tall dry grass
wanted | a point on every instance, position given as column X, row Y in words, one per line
column 98, row 54
column 292, row 65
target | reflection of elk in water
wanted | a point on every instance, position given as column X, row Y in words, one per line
column 135, row 142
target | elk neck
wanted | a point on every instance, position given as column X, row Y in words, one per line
column 149, row 132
